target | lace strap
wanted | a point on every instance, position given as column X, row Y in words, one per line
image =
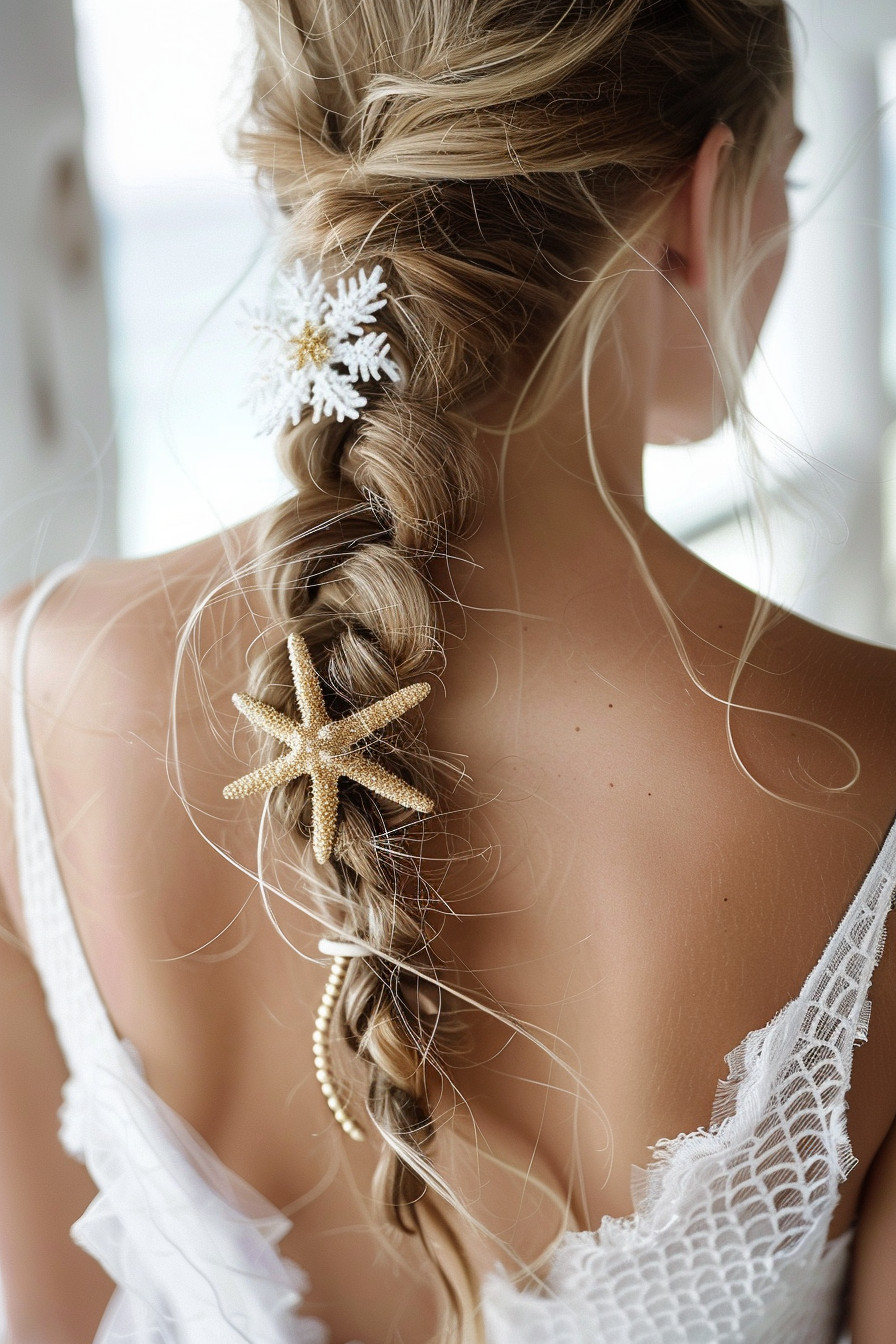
column 73, row 1000
column 836, row 991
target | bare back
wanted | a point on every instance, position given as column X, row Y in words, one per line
column 650, row 905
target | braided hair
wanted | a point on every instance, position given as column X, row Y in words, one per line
column 495, row 158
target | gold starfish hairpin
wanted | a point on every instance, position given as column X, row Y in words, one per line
column 323, row 748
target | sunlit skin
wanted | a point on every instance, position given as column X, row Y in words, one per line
column 651, row 906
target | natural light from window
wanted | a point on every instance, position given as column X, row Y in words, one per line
column 187, row 250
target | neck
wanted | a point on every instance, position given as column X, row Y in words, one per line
column 544, row 492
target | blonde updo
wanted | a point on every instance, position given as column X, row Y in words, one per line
column 496, row 158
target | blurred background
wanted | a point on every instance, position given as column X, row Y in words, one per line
column 131, row 244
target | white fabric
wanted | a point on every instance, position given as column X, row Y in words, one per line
column 728, row 1242
column 191, row 1246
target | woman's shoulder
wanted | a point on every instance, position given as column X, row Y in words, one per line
column 849, row 682
column 102, row 661
column 813, row 685
column 827, row 736
column 111, row 628
column 98, row 651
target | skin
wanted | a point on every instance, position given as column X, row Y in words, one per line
column 651, row 905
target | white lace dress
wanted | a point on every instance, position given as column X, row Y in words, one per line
column 729, row 1240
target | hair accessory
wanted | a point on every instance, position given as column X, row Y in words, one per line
column 331, row 948
column 341, row 953
column 321, row 1049
column 306, row 335
column 323, row 748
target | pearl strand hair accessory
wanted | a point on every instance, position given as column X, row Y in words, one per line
column 341, row 952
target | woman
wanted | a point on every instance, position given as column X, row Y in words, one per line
column 626, row 832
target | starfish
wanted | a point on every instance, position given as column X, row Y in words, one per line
column 323, row 748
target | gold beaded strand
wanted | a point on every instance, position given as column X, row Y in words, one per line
column 321, row 1048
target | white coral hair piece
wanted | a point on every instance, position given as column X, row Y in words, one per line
column 315, row 350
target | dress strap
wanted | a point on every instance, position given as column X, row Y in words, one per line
column 75, row 1006
column 842, row 976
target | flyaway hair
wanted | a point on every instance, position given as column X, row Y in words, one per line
column 499, row 160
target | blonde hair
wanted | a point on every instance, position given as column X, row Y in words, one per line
column 498, row 159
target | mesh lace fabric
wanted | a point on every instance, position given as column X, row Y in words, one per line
column 728, row 1241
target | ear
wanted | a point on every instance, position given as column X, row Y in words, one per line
column 686, row 232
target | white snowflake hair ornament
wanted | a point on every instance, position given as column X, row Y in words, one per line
column 314, row 349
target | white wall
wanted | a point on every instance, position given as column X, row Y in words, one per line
column 185, row 250
column 834, row 317
column 57, row 457
column 819, row 383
